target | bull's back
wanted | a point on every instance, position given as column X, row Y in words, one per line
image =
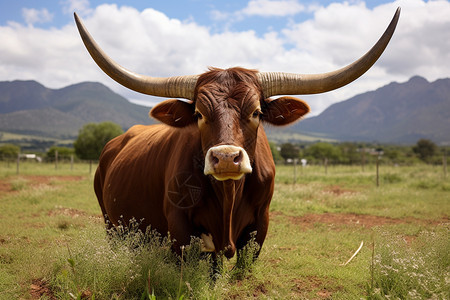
column 130, row 180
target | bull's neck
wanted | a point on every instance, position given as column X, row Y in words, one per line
column 231, row 191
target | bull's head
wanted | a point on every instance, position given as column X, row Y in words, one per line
column 228, row 105
column 228, row 108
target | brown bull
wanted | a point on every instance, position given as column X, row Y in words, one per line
column 208, row 170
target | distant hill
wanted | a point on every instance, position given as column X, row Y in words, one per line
column 399, row 113
column 27, row 107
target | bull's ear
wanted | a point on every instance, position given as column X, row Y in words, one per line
column 284, row 110
column 174, row 112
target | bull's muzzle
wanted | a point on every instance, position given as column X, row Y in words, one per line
column 227, row 162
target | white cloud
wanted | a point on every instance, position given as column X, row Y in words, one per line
column 260, row 8
column 340, row 33
column 32, row 15
column 151, row 43
column 268, row 8
column 81, row 7
column 219, row 15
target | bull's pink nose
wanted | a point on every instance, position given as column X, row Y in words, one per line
column 227, row 162
column 224, row 160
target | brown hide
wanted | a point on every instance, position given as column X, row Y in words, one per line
column 155, row 174
column 135, row 172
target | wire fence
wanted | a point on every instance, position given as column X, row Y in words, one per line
column 23, row 162
column 26, row 163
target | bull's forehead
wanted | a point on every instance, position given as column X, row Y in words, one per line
column 242, row 98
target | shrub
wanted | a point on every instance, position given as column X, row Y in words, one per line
column 129, row 264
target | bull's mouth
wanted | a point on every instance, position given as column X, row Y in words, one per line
column 228, row 176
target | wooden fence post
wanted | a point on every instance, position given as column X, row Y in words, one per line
column 56, row 159
column 18, row 163
column 444, row 163
column 71, row 162
column 295, row 170
column 378, row 173
column 363, row 159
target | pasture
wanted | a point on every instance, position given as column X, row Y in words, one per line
column 53, row 243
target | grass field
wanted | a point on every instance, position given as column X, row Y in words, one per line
column 53, row 245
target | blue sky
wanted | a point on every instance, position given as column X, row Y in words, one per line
column 39, row 40
column 203, row 12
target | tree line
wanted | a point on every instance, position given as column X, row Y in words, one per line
column 93, row 137
column 352, row 153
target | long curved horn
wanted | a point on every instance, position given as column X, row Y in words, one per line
column 279, row 83
column 176, row 87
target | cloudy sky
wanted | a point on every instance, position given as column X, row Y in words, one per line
column 39, row 41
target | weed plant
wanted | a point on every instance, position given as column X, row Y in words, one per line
column 130, row 264
column 417, row 271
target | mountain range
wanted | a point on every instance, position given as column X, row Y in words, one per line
column 399, row 113
column 27, row 107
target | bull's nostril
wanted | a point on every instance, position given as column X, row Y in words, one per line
column 214, row 159
column 238, row 158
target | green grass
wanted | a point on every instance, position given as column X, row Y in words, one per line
column 53, row 239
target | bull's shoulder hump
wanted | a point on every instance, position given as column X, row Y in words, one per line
column 159, row 136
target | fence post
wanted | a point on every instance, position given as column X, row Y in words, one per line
column 18, row 163
column 295, row 170
column 56, row 159
column 378, row 174
column 71, row 162
column 444, row 162
column 363, row 159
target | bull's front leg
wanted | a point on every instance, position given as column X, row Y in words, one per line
column 180, row 230
column 256, row 232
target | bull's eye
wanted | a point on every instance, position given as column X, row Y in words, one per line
column 256, row 113
column 198, row 115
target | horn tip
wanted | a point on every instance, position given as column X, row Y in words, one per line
column 77, row 19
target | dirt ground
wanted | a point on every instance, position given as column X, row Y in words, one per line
column 339, row 219
column 7, row 184
column 39, row 287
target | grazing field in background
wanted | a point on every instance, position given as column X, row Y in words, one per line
column 53, row 243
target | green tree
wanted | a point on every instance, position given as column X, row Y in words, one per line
column 92, row 137
column 275, row 153
column 9, row 151
column 350, row 154
column 63, row 152
column 289, row 150
column 425, row 149
column 322, row 151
